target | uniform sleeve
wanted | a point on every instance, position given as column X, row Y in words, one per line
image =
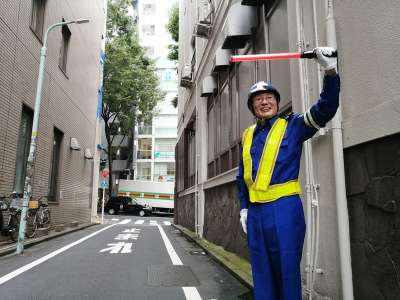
column 243, row 192
column 324, row 109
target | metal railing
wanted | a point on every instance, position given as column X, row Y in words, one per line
column 145, row 130
column 164, row 154
column 144, row 154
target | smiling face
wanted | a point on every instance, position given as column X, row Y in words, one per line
column 265, row 105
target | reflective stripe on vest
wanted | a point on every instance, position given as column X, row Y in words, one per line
column 261, row 190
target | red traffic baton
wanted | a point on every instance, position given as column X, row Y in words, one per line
column 277, row 56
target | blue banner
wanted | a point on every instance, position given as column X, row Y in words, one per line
column 102, row 57
column 99, row 102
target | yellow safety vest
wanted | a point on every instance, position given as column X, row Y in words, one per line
column 261, row 190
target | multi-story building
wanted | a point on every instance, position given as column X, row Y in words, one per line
column 66, row 136
column 155, row 142
column 352, row 206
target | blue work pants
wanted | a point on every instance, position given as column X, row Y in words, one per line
column 275, row 236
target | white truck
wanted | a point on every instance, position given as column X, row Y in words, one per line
column 158, row 195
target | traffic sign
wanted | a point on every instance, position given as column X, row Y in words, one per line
column 104, row 173
column 104, row 184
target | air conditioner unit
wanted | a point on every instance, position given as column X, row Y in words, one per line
column 208, row 87
column 221, row 60
column 202, row 30
column 186, row 76
column 237, row 29
column 88, row 154
column 74, row 144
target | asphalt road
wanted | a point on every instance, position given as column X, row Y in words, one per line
column 128, row 257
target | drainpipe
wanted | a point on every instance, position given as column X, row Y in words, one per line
column 307, row 155
column 341, row 199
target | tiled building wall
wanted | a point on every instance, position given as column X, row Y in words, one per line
column 69, row 101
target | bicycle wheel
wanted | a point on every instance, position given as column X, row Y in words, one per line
column 46, row 218
column 31, row 224
column 14, row 226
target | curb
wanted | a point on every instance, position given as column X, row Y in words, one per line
column 241, row 274
column 10, row 249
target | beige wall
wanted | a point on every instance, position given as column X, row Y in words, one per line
column 69, row 101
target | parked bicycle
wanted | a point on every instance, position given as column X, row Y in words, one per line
column 13, row 205
column 43, row 217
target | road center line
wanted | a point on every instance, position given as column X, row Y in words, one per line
column 191, row 292
column 33, row 264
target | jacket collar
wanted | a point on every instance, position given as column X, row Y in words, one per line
column 263, row 123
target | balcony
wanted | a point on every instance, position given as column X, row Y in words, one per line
column 145, row 130
column 144, row 154
column 164, row 154
column 144, row 177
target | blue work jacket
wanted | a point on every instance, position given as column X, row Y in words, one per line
column 300, row 128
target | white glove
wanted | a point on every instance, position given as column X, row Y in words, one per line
column 326, row 62
column 243, row 219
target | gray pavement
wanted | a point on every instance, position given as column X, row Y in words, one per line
column 124, row 261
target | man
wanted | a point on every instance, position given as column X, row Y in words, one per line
column 271, row 210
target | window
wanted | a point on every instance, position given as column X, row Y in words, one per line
column 149, row 8
column 55, row 164
column 143, row 171
column 37, row 17
column 164, row 148
column 149, row 29
column 164, row 172
column 24, row 140
column 66, row 36
column 145, row 148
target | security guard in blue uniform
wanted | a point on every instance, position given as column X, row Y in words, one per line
column 271, row 210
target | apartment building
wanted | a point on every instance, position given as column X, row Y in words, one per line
column 66, row 137
column 351, row 208
column 155, row 142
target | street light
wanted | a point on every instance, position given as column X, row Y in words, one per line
column 35, row 125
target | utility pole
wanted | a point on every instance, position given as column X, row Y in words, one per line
column 35, row 126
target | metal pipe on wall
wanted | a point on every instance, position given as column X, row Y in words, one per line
column 307, row 154
column 340, row 186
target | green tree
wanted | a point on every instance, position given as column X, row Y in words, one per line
column 130, row 83
column 173, row 29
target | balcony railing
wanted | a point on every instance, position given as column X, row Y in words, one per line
column 164, row 178
column 144, row 177
column 164, row 154
column 145, row 130
column 144, row 154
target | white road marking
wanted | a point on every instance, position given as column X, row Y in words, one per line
column 114, row 219
column 37, row 262
column 132, row 230
column 120, row 247
column 126, row 221
column 153, row 222
column 139, row 222
column 191, row 292
column 127, row 236
column 167, row 223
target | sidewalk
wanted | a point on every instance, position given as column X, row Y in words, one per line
column 237, row 266
column 9, row 247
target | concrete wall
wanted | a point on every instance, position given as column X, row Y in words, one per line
column 69, row 100
column 221, row 221
column 373, row 190
column 368, row 44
